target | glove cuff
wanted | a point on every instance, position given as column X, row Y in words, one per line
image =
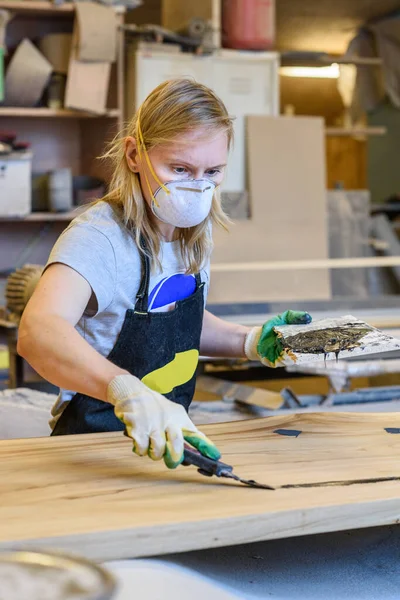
column 251, row 343
column 122, row 387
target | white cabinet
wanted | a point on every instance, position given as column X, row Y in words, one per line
column 247, row 82
column 15, row 184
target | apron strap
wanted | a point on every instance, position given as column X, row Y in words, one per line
column 142, row 297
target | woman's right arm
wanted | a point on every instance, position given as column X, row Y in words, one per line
column 48, row 340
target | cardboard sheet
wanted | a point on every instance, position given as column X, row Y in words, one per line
column 87, row 86
column 288, row 214
column 97, row 32
column 87, row 82
column 27, row 76
column 340, row 332
column 56, row 47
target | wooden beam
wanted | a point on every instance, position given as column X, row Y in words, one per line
column 288, row 265
column 354, row 132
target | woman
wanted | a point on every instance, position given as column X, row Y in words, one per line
column 118, row 318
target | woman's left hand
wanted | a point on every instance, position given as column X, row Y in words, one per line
column 263, row 344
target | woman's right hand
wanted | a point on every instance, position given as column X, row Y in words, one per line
column 157, row 426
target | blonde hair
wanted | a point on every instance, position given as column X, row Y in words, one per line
column 173, row 108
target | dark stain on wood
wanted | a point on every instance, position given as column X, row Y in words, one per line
column 323, row 341
column 288, row 432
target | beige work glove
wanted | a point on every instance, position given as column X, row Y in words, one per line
column 157, row 426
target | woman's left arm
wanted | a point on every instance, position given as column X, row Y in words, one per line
column 222, row 338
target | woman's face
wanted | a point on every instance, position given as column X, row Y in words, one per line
column 193, row 155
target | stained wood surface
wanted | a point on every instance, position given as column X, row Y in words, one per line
column 90, row 495
column 373, row 341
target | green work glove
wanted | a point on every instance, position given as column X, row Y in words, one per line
column 263, row 344
column 157, row 426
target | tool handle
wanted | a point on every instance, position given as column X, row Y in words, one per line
column 206, row 466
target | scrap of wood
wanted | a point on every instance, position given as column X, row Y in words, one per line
column 90, row 495
column 373, row 342
column 245, row 394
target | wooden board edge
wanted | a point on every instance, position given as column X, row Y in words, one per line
column 214, row 533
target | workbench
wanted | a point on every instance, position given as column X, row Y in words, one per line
column 89, row 494
column 48, row 478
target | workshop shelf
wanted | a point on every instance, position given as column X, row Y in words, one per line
column 43, row 112
column 44, row 7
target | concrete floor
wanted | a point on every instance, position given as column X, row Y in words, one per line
column 354, row 565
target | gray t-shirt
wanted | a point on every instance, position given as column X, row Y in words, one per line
column 100, row 248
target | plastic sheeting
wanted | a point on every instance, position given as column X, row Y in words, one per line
column 380, row 39
column 349, row 231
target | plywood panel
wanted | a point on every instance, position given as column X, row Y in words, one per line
column 346, row 162
column 286, row 162
column 90, row 494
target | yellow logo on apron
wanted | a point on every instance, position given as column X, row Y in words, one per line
column 175, row 373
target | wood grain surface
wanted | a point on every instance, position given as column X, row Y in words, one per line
column 89, row 494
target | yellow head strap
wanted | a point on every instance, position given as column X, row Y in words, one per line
column 141, row 146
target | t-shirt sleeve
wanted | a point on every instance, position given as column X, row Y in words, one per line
column 91, row 254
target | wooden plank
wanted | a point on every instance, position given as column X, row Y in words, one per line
column 311, row 264
column 286, row 161
column 91, row 495
column 236, row 392
column 356, row 131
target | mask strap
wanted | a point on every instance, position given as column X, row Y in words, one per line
column 141, row 145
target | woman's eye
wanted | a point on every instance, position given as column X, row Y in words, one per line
column 212, row 172
column 179, row 170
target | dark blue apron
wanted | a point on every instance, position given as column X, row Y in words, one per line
column 156, row 347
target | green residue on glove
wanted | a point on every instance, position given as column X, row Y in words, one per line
column 269, row 345
column 203, row 445
column 200, row 442
column 170, row 463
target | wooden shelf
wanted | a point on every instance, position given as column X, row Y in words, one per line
column 356, row 60
column 43, row 7
column 345, row 131
column 45, row 216
column 309, row 60
column 37, row 6
column 14, row 111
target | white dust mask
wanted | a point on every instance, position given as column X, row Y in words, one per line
column 187, row 204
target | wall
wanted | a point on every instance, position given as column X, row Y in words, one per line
column 383, row 154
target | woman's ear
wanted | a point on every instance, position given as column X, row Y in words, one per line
column 131, row 154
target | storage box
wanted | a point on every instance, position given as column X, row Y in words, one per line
column 15, row 184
